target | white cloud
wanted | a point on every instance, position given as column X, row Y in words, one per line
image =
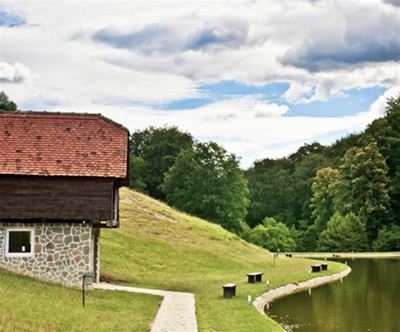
column 234, row 124
column 16, row 73
column 132, row 66
column 172, row 47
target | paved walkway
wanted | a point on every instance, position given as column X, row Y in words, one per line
column 177, row 312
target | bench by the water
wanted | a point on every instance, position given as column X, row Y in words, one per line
column 324, row 267
column 254, row 277
column 316, row 268
column 229, row 290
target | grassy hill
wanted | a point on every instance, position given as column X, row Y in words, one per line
column 158, row 247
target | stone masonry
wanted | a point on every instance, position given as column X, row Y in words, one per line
column 63, row 252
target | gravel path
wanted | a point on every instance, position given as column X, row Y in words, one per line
column 177, row 312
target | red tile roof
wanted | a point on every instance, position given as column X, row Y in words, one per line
column 62, row 144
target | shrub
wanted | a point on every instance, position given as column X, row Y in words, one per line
column 388, row 239
column 272, row 235
column 343, row 233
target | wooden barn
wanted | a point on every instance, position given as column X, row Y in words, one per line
column 59, row 179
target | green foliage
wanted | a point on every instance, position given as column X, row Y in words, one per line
column 393, row 153
column 310, row 238
column 363, row 187
column 306, row 151
column 282, row 188
column 6, row 104
column 302, row 179
column 388, row 239
column 158, row 148
column 136, row 171
column 207, row 182
column 272, row 235
column 393, row 113
column 271, row 192
column 324, row 189
column 343, row 233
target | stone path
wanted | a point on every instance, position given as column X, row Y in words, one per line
column 177, row 312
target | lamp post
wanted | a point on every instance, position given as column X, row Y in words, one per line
column 87, row 279
column 276, row 254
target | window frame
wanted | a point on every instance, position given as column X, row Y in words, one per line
column 19, row 254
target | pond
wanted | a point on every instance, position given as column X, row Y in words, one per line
column 367, row 300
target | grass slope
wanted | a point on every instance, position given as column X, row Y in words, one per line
column 30, row 305
column 158, row 247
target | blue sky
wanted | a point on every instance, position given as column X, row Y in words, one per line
column 261, row 84
column 9, row 19
column 350, row 102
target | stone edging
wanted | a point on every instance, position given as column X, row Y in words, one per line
column 348, row 255
column 282, row 291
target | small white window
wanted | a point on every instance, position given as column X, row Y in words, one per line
column 20, row 242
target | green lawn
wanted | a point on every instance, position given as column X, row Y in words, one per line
column 158, row 247
column 29, row 305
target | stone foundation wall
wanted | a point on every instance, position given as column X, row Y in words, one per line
column 63, row 252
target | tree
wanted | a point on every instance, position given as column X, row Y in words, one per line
column 393, row 158
column 302, row 179
column 6, row 104
column 158, row 148
column 343, row 233
column 363, row 187
column 392, row 113
column 270, row 191
column 307, row 150
column 388, row 239
column 136, row 171
column 207, row 181
column 272, row 235
column 324, row 190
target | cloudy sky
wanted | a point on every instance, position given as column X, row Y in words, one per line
column 259, row 77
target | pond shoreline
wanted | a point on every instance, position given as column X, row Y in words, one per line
column 261, row 301
column 347, row 255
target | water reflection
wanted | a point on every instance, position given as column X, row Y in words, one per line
column 367, row 300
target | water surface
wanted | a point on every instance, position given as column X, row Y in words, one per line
column 367, row 300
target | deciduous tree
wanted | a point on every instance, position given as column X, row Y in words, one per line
column 208, row 182
column 343, row 233
column 6, row 104
column 158, row 148
column 324, row 191
column 363, row 187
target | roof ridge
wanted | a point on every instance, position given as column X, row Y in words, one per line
column 64, row 115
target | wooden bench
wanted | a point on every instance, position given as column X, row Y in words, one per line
column 229, row 290
column 324, row 267
column 254, row 277
column 316, row 268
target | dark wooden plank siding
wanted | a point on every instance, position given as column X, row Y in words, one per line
column 57, row 198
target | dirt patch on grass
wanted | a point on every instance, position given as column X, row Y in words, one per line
column 110, row 279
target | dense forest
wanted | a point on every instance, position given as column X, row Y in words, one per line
column 342, row 197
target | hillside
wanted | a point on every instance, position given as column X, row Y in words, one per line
column 158, row 247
